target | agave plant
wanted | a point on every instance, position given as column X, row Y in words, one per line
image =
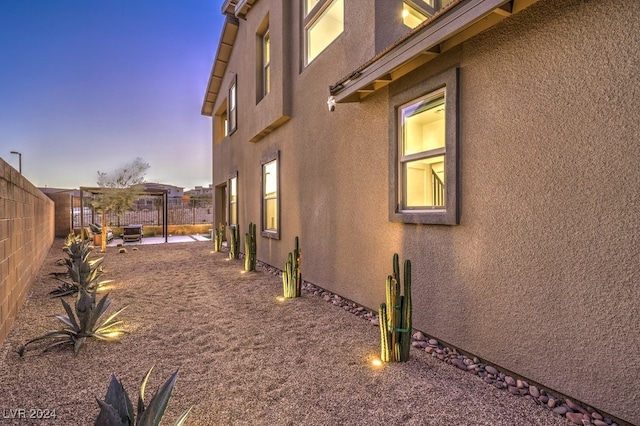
column 117, row 409
column 82, row 324
column 82, row 271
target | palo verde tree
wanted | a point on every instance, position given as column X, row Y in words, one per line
column 119, row 190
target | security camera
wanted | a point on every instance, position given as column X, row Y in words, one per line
column 331, row 103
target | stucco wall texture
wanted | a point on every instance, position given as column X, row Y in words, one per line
column 540, row 277
column 26, row 234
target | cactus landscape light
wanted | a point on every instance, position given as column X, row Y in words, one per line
column 292, row 276
column 395, row 316
column 250, row 248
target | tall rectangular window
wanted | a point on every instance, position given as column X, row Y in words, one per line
column 232, row 114
column 266, row 62
column 263, row 59
column 423, row 172
column 233, row 200
column 422, row 146
column 324, row 22
column 270, row 195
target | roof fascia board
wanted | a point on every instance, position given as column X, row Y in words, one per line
column 416, row 46
column 242, row 8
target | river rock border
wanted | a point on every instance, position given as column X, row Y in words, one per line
column 565, row 407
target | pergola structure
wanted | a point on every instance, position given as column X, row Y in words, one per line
column 153, row 192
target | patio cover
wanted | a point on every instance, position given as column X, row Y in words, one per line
column 146, row 191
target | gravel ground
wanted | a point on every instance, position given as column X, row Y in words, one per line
column 244, row 358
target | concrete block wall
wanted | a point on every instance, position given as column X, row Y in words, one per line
column 26, row 235
column 62, row 202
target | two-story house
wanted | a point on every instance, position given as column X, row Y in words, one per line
column 494, row 143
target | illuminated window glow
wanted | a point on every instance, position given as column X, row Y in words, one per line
column 411, row 17
column 270, row 211
column 324, row 28
column 423, row 150
column 232, row 109
column 233, row 201
column 266, row 63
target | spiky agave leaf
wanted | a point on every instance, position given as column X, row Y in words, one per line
column 64, row 289
column 108, row 416
column 71, row 318
column 57, row 334
column 152, row 415
column 118, row 399
column 109, row 331
column 143, row 388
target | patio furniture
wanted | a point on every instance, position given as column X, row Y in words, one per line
column 132, row 233
column 97, row 230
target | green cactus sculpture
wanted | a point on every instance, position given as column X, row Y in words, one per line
column 234, row 241
column 292, row 275
column 395, row 316
column 250, row 248
column 219, row 237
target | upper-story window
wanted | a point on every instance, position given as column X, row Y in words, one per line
column 323, row 23
column 263, row 59
column 232, row 113
column 266, row 62
column 415, row 12
column 265, row 66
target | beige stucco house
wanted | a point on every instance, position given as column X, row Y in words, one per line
column 494, row 143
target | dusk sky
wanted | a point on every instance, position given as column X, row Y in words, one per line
column 89, row 85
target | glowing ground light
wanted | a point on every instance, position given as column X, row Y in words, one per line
column 281, row 298
column 376, row 363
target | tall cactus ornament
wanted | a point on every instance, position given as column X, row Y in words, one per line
column 234, row 241
column 292, row 275
column 219, row 236
column 250, row 248
column 395, row 315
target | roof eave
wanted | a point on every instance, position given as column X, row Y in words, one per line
column 225, row 46
column 441, row 33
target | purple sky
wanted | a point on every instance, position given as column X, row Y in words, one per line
column 89, row 85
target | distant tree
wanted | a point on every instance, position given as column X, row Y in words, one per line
column 119, row 190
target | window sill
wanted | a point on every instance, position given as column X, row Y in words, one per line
column 425, row 217
column 275, row 235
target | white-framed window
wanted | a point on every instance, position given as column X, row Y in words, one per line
column 232, row 109
column 323, row 23
column 424, row 153
column 233, row 199
column 270, row 196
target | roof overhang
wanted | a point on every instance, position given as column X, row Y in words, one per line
column 142, row 190
column 225, row 45
column 242, row 8
column 457, row 22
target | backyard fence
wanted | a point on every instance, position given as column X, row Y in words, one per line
column 148, row 211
